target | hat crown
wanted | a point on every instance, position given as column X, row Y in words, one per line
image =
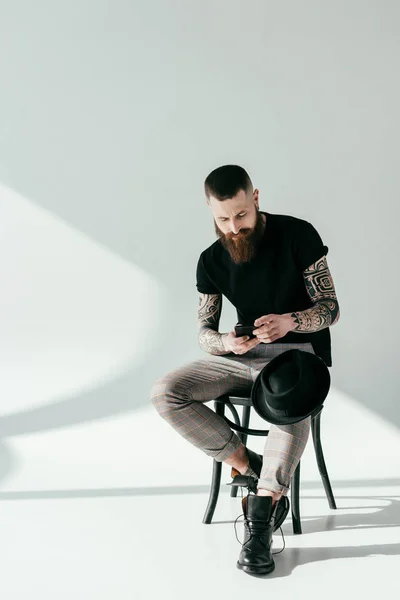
column 285, row 377
column 290, row 387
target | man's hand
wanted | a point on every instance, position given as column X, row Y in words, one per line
column 272, row 327
column 238, row 345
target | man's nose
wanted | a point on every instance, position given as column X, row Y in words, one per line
column 234, row 228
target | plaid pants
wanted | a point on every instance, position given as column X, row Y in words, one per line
column 180, row 396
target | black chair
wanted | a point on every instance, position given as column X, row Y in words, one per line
column 243, row 431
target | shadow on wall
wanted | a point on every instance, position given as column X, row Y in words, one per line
column 79, row 325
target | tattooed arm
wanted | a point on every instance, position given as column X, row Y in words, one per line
column 209, row 313
column 320, row 288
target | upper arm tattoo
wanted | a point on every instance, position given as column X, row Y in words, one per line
column 319, row 282
column 209, row 313
column 321, row 290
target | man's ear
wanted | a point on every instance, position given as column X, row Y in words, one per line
column 255, row 195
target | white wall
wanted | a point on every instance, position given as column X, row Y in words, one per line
column 112, row 113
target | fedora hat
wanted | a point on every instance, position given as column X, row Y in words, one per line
column 290, row 387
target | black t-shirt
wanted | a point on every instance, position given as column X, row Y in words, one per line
column 272, row 282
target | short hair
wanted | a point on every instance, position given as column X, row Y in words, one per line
column 226, row 181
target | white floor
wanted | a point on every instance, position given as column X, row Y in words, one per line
column 113, row 510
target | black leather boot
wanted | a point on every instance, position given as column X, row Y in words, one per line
column 255, row 462
column 259, row 514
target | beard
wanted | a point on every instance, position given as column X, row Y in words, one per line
column 243, row 246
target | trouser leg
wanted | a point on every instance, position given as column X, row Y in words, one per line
column 179, row 397
column 283, row 449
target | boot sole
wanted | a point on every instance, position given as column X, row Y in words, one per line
column 256, row 570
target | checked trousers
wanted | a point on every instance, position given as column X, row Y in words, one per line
column 180, row 397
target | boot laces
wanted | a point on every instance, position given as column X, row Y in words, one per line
column 254, row 530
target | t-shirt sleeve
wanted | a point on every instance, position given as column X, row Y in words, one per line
column 203, row 282
column 309, row 246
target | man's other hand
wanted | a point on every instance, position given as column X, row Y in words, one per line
column 238, row 345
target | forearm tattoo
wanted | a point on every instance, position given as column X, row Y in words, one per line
column 320, row 288
column 209, row 313
column 324, row 314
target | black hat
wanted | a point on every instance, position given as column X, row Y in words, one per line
column 290, row 387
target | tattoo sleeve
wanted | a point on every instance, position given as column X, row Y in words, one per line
column 320, row 288
column 209, row 313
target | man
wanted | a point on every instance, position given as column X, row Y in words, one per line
column 273, row 269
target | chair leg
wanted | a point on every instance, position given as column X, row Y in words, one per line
column 214, row 492
column 243, row 437
column 316, row 435
column 295, row 497
column 216, row 478
column 245, row 422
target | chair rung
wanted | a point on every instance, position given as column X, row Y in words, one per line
column 241, row 401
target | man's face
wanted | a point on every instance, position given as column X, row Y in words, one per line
column 239, row 224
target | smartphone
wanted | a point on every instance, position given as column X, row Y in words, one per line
column 244, row 330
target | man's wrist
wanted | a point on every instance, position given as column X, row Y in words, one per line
column 223, row 338
column 211, row 341
column 222, row 349
column 291, row 321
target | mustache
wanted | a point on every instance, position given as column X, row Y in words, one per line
column 230, row 236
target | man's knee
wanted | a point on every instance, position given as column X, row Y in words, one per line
column 158, row 392
column 167, row 390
